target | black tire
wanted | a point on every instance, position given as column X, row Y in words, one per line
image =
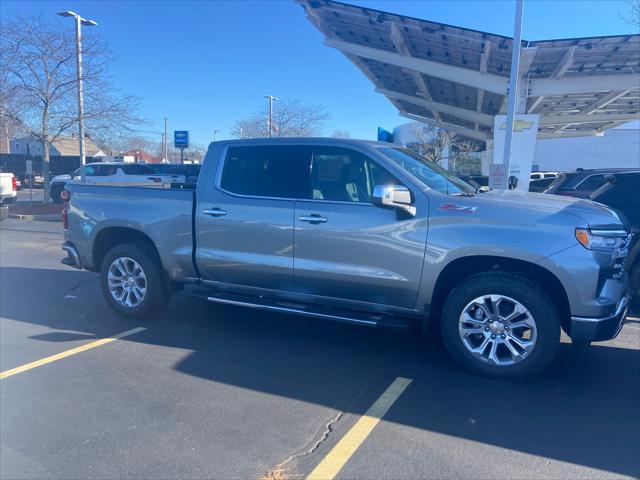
column 157, row 292
column 518, row 288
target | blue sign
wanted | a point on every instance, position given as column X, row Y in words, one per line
column 181, row 139
column 384, row 135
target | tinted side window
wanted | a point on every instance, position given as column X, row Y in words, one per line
column 344, row 175
column 591, row 183
column 266, row 171
column 108, row 170
column 137, row 169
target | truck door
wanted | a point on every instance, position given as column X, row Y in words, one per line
column 346, row 247
column 245, row 218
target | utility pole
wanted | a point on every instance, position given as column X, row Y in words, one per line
column 271, row 99
column 89, row 23
column 165, row 154
column 214, row 134
column 513, row 87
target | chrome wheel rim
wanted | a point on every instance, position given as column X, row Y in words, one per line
column 127, row 282
column 497, row 330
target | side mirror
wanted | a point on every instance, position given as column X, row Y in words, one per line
column 393, row 196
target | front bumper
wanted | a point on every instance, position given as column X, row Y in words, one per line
column 586, row 329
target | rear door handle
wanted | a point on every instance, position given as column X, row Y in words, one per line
column 214, row 212
column 313, row 218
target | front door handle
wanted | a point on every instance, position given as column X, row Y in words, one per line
column 214, row 212
column 313, row 218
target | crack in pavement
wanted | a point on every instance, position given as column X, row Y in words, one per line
column 279, row 471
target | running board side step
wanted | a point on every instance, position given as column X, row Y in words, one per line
column 302, row 310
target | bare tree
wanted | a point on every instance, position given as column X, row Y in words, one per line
column 39, row 84
column 341, row 134
column 290, row 119
column 437, row 144
column 633, row 17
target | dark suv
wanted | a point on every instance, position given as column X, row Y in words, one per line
column 622, row 193
column 582, row 183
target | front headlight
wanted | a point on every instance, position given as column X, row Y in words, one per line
column 607, row 240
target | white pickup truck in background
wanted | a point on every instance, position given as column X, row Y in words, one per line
column 8, row 188
column 114, row 174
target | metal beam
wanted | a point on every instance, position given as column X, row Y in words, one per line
column 484, row 63
column 401, row 46
column 586, row 118
column 535, row 103
column 467, row 132
column 463, row 113
column 564, row 64
column 604, row 101
column 546, row 136
column 583, row 84
column 464, row 76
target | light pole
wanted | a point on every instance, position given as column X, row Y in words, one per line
column 214, row 134
column 88, row 23
column 271, row 99
column 512, row 98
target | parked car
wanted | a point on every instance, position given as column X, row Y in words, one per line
column 541, row 184
column 337, row 229
column 8, row 188
column 622, row 192
column 542, row 175
column 112, row 173
column 479, row 182
column 582, row 183
column 187, row 173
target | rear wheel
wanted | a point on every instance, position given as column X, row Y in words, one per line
column 501, row 325
column 132, row 281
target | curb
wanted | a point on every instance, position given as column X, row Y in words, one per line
column 36, row 218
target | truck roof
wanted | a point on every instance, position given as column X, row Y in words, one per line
column 304, row 141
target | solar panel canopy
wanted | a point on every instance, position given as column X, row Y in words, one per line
column 458, row 78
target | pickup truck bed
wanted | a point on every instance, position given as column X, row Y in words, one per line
column 166, row 217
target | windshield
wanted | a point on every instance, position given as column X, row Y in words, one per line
column 432, row 175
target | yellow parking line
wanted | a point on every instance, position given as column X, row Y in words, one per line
column 68, row 353
column 330, row 465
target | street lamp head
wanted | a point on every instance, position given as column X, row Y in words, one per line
column 84, row 21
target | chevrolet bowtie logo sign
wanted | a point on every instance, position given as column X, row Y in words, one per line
column 518, row 125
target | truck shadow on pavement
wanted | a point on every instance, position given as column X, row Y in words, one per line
column 584, row 410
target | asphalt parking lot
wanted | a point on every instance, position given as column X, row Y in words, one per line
column 208, row 391
column 25, row 195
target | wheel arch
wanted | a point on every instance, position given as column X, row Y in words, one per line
column 464, row 267
column 109, row 237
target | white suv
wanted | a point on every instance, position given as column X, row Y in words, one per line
column 111, row 173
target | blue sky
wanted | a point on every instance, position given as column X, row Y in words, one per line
column 205, row 64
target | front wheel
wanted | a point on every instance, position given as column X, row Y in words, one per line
column 501, row 325
column 132, row 281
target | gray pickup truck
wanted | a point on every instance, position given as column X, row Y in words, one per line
column 362, row 232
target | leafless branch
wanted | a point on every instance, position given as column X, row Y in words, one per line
column 290, row 119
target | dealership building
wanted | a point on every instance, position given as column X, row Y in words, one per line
column 576, row 103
